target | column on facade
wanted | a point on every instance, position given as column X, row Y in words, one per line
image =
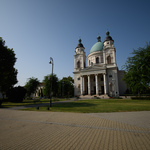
column 114, row 56
column 82, row 62
column 104, row 57
column 75, row 64
column 96, row 79
column 81, row 85
column 105, row 84
column 89, row 85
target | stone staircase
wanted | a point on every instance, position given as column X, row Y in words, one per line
column 94, row 97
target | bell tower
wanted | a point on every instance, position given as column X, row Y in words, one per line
column 109, row 50
column 79, row 57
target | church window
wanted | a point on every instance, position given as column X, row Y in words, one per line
column 107, row 42
column 110, row 76
column 89, row 62
column 97, row 60
column 78, row 64
column 84, row 65
column 109, row 60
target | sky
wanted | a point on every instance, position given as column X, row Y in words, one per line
column 40, row 29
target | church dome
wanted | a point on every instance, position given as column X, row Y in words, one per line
column 97, row 46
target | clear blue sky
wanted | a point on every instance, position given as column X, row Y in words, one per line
column 40, row 29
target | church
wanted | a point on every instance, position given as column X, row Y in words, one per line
column 101, row 75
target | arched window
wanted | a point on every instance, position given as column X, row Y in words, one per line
column 78, row 64
column 109, row 60
column 97, row 60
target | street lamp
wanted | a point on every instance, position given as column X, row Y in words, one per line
column 51, row 62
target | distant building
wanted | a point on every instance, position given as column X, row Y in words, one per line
column 101, row 75
column 39, row 91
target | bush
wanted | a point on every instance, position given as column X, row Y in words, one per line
column 1, row 102
column 29, row 98
column 16, row 94
column 140, row 98
column 77, row 97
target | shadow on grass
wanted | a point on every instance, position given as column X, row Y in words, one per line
column 72, row 105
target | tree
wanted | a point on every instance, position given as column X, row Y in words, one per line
column 47, row 85
column 66, row 87
column 16, row 94
column 31, row 85
column 137, row 70
column 8, row 74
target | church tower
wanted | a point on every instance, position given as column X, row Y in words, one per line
column 109, row 50
column 79, row 57
column 112, row 69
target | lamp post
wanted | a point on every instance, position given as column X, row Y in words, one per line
column 51, row 62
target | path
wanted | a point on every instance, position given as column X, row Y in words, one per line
column 74, row 131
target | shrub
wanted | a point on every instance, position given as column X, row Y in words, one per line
column 140, row 98
column 1, row 102
column 16, row 94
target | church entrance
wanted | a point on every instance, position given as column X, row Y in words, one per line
column 94, row 89
column 102, row 89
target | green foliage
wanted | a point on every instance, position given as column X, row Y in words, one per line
column 8, row 74
column 47, row 85
column 140, row 98
column 137, row 69
column 66, row 87
column 31, row 85
column 16, row 94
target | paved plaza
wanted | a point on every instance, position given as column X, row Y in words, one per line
column 74, row 131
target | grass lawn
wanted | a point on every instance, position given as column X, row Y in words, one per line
column 99, row 105
column 29, row 102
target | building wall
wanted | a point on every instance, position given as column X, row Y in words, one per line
column 112, row 81
column 77, row 84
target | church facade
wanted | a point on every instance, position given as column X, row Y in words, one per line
column 101, row 75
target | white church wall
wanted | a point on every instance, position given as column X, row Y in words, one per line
column 77, row 82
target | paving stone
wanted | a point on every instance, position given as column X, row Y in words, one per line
column 74, row 131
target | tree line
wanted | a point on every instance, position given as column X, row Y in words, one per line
column 60, row 88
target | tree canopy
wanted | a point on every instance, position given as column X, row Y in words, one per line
column 66, row 87
column 47, row 85
column 16, row 94
column 8, row 74
column 137, row 70
column 31, row 86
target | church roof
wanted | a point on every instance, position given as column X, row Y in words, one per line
column 79, row 44
column 108, row 37
column 98, row 46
